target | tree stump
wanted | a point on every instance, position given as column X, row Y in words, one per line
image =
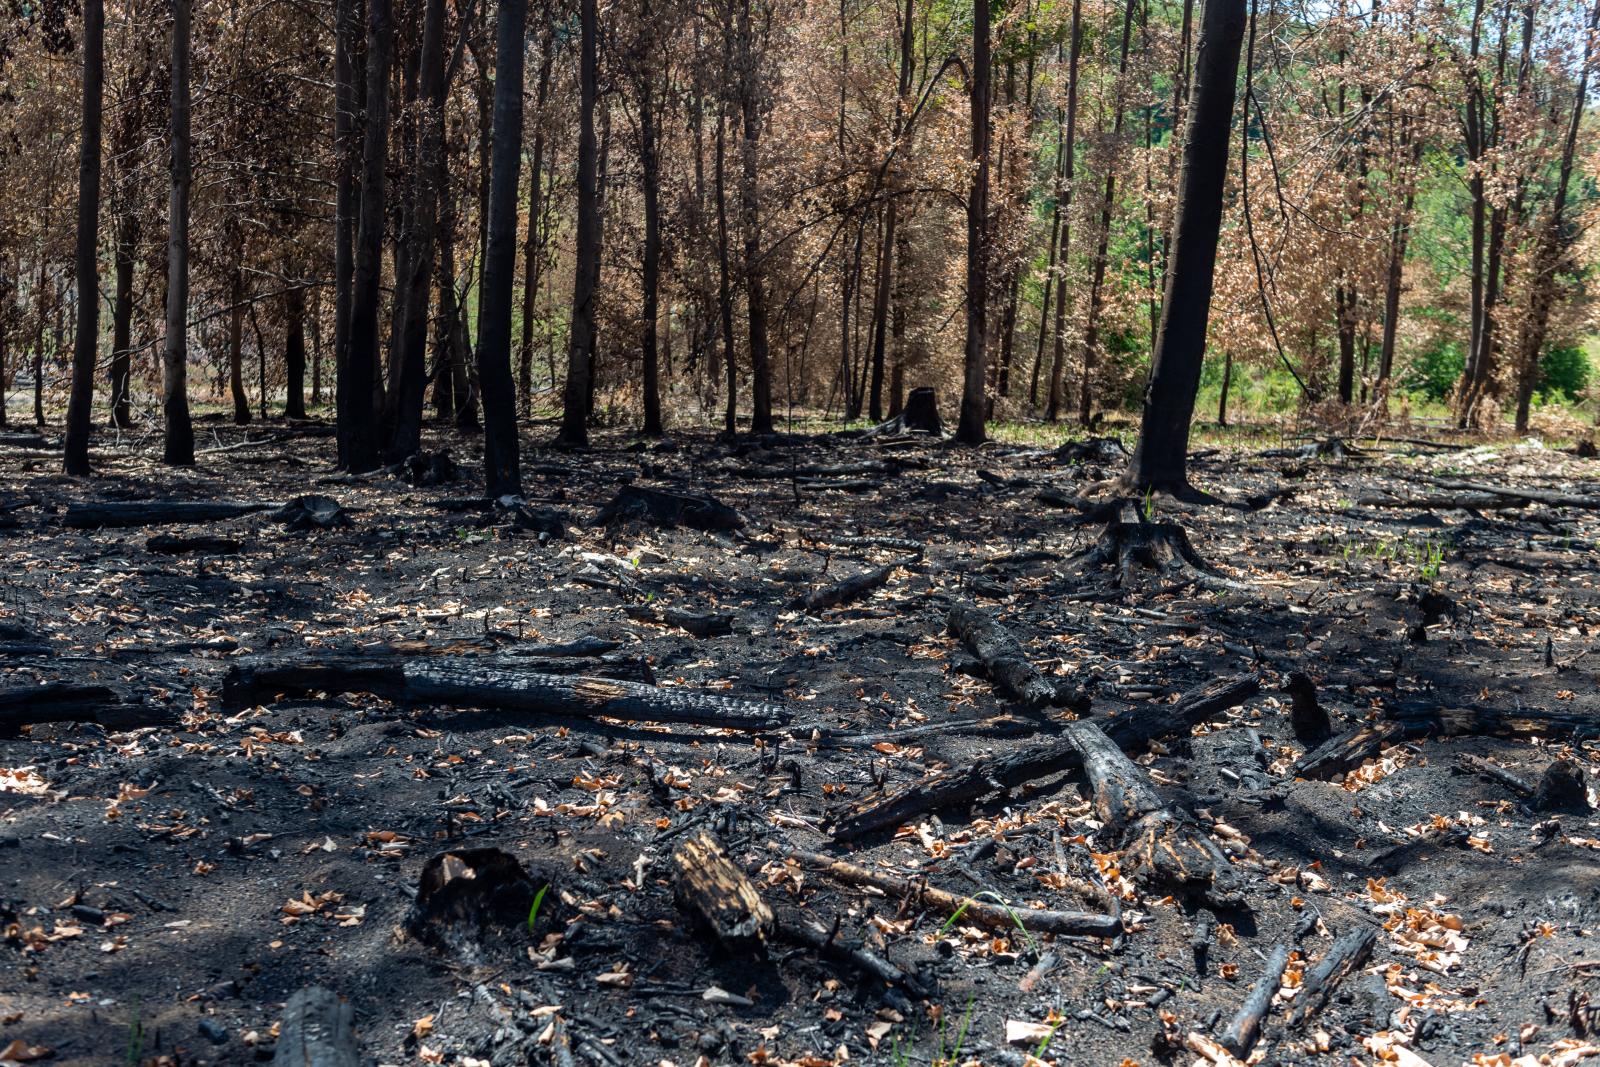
column 1131, row 547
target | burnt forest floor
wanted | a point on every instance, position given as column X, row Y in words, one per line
column 164, row 889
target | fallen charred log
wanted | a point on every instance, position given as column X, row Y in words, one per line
column 720, row 897
column 461, row 682
column 850, row 589
column 318, row 1030
column 664, row 507
column 1005, row 662
column 123, row 513
column 109, row 706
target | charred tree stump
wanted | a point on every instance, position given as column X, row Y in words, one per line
column 1562, row 787
column 662, row 507
column 1132, row 730
column 1167, row 848
column 1003, row 658
column 1306, row 717
column 720, row 897
column 318, row 1030
column 1131, row 547
column 920, row 415
column 458, row 681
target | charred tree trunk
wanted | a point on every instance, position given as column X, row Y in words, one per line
column 346, row 152
column 81, row 402
column 236, row 309
column 1059, row 360
column 724, row 280
column 357, row 417
column 533, row 247
column 294, row 353
column 586, row 277
column 421, row 234
column 121, row 324
column 970, row 428
column 1159, row 460
column 650, row 164
column 750, row 201
column 178, row 443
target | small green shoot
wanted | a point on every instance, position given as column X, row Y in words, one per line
column 1149, row 506
column 533, row 912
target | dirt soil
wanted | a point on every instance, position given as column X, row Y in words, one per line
column 164, row 889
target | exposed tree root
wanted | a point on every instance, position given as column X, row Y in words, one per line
column 1138, row 551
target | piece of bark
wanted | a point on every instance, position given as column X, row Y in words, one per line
column 458, row 680
column 1002, row 656
column 720, row 896
column 980, row 912
column 696, row 623
column 1162, row 844
column 827, row 944
column 121, row 513
column 1346, row 955
column 1131, row 730
column 205, row 544
column 318, row 1030
column 852, row 588
column 1240, row 1035
column 109, row 706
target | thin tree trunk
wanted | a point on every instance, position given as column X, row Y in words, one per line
column 80, row 404
column 1227, row 380
column 346, row 153
column 502, row 469
column 294, row 353
column 970, row 427
column 533, row 249
column 1068, row 172
column 122, row 322
column 236, row 308
column 1159, row 460
column 586, row 276
column 749, row 192
column 651, row 182
column 724, row 280
column 358, row 427
column 178, row 444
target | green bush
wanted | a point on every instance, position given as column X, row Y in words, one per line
column 1434, row 371
column 1564, row 372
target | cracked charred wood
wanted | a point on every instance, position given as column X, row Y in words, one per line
column 1515, row 783
column 852, row 588
column 692, row 622
column 318, row 1030
column 1167, row 848
column 205, row 545
column 120, row 513
column 458, row 681
column 1306, row 717
column 1535, row 496
column 1004, row 660
column 109, row 706
column 1133, row 730
column 664, row 507
column 1240, row 1035
column 719, row 896
column 1416, row 719
column 1346, row 955
column 827, row 944
column 983, row 913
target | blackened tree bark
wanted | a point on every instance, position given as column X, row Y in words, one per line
column 650, row 165
column 236, row 309
column 346, row 154
column 755, row 291
column 122, row 321
column 411, row 388
column 586, row 275
column 1159, row 460
column 358, row 379
column 501, row 463
column 81, row 401
column 970, row 428
column 178, row 443
column 1066, row 176
column 294, row 352
column 891, row 219
column 724, row 271
column 533, row 247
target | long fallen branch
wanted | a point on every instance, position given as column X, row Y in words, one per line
column 120, row 513
column 852, row 588
column 460, row 681
column 1131, row 730
column 982, row 912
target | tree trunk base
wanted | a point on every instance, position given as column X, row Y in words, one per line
column 1141, row 553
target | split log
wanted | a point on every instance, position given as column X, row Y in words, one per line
column 852, row 588
column 122, row 513
column 720, row 896
column 1002, row 657
column 827, row 944
column 205, row 544
column 1132, row 730
column 983, row 913
column 1346, row 955
column 106, row 705
column 460, row 681
column 663, row 507
column 1167, row 848
column 1245, row 1026
column 696, row 623
column 318, row 1030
